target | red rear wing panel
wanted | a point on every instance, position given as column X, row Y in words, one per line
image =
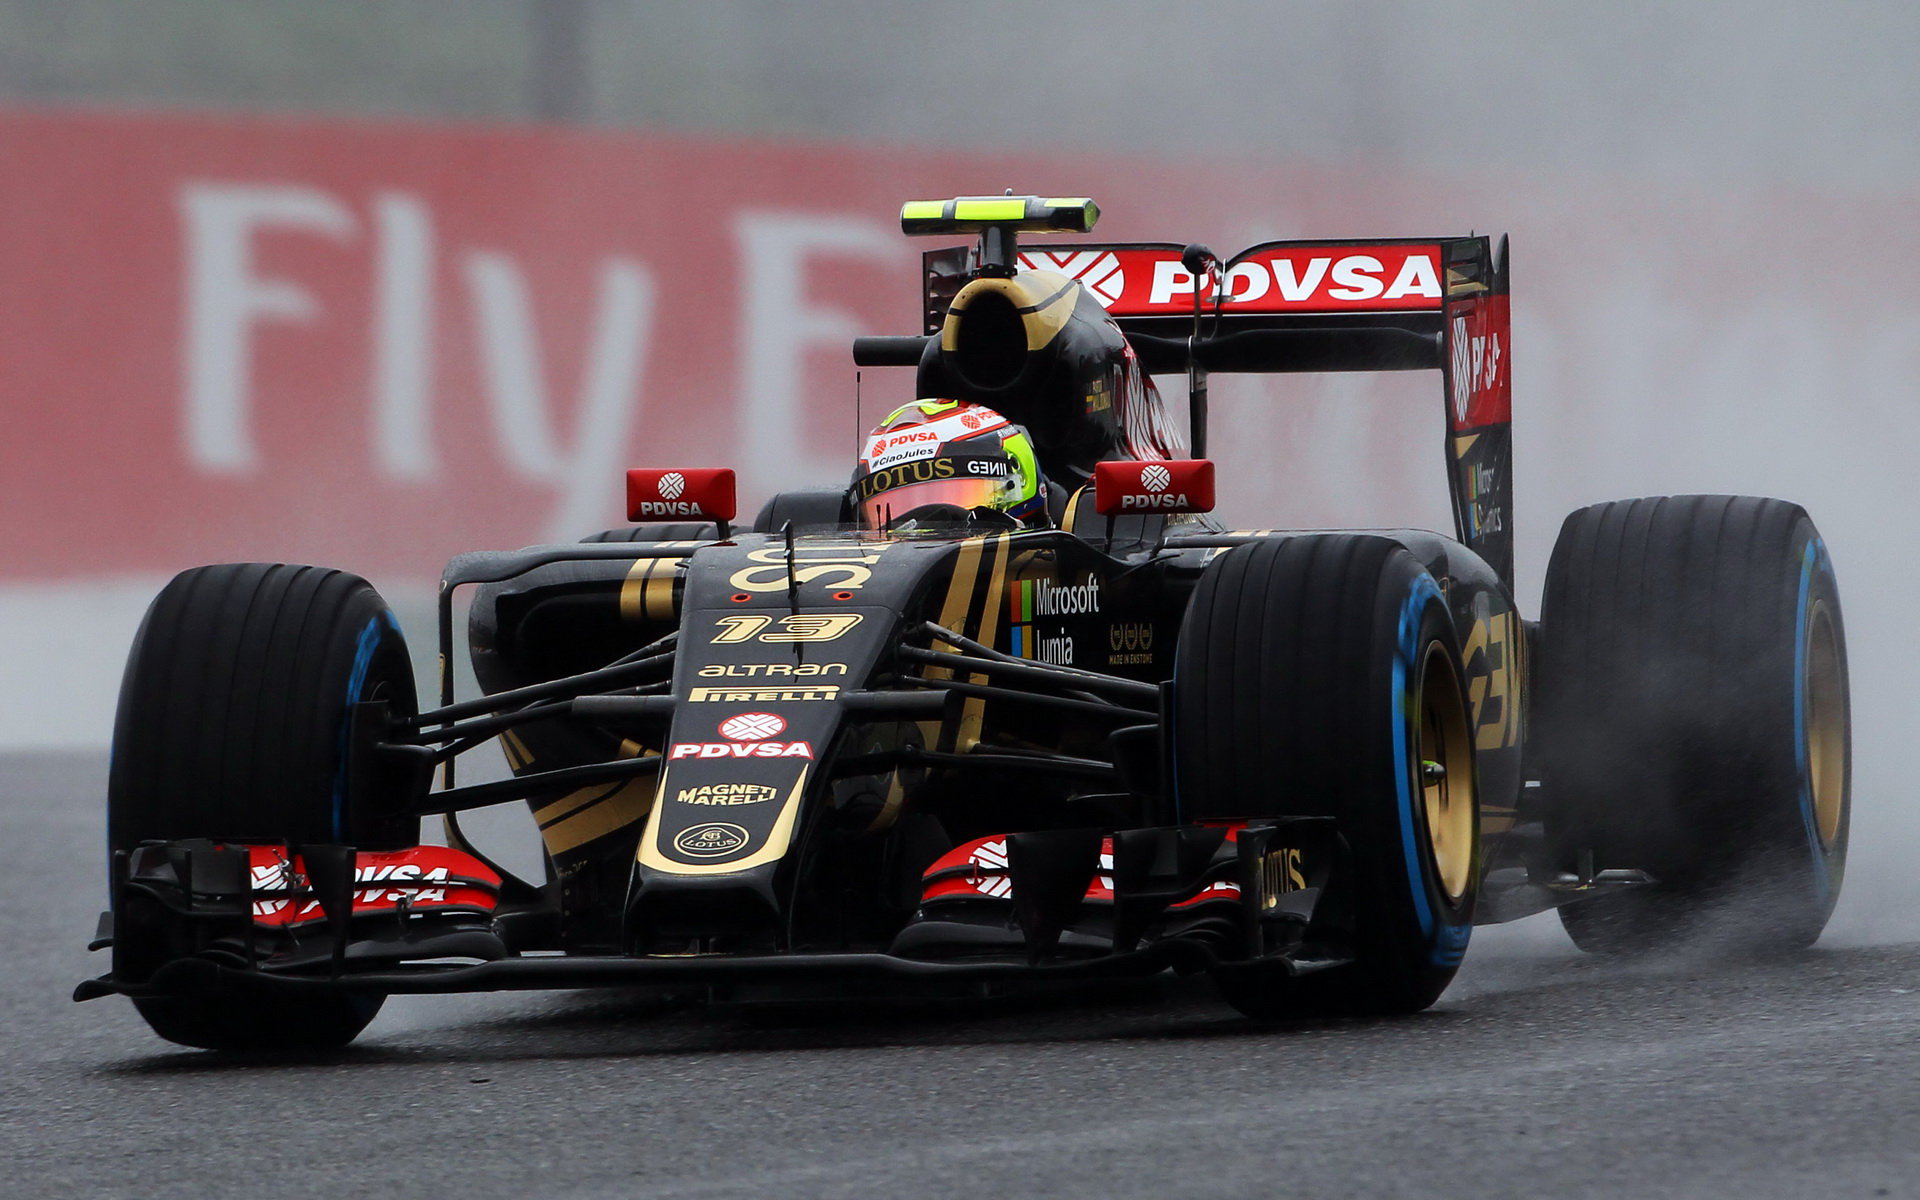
column 1279, row 278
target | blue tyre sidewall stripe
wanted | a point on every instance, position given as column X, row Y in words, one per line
column 370, row 639
column 1813, row 560
column 1447, row 942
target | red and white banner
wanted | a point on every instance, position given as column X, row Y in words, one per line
column 377, row 345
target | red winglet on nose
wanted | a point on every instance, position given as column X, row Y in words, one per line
column 677, row 494
column 1164, row 486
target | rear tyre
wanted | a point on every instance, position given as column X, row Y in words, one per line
column 232, row 727
column 1315, row 676
column 1694, row 721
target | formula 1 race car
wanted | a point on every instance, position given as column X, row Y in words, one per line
column 843, row 751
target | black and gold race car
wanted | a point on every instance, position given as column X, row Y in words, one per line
column 1116, row 741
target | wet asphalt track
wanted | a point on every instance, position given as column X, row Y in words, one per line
column 1540, row 1074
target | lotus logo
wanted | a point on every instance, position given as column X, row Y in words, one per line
column 710, row 840
column 751, row 727
column 672, row 484
column 1155, row 477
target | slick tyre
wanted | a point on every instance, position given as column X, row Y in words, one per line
column 232, row 726
column 1694, row 722
column 1320, row 675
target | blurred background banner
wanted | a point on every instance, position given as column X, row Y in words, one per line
column 383, row 344
column 379, row 345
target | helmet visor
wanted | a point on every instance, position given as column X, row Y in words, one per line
column 882, row 508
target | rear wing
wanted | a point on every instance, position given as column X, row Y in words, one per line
column 1399, row 304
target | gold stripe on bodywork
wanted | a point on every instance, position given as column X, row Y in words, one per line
column 974, row 710
column 519, row 758
column 1043, row 314
column 771, row 850
column 953, row 615
column 550, row 813
column 890, row 807
column 590, row 812
column 1073, row 508
column 1460, row 284
column 1049, row 316
column 954, row 609
column 610, row 813
column 647, row 592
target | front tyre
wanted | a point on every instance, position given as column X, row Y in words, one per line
column 232, row 727
column 1320, row 675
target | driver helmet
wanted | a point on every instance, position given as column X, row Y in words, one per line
column 946, row 461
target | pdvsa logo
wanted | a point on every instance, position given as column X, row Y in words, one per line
column 1476, row 367
column 1184, row 485
column 670, row 488
column 747, row 734
column 989, row 870
column 751, row 727
column 1350, row 278
column 1168, row 501
column 1096, row 270
column 1155, row 479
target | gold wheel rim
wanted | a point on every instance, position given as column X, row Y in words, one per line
column 1826, row 717
column 1444, row 763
